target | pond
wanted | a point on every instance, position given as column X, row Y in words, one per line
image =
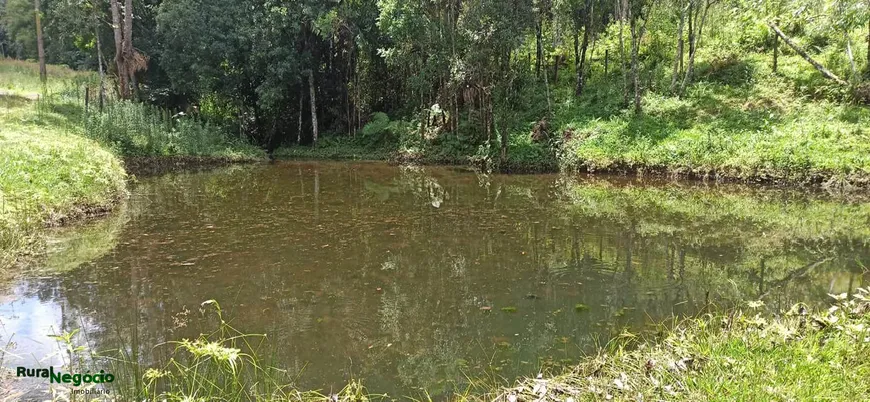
column 417, row 278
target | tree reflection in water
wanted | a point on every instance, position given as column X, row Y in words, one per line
column 399, row 275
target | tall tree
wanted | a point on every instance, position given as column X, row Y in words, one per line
column 128, row 61
column 682, row 7
column 586, row 13
column 127, row 51
column 638, row 15
column 120, row 61
column 313, row 99
column 621, row 11
column 697, row 14
column 40, row 45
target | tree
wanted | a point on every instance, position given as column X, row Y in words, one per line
column 697, row 14
column 128, row 61
column 19, row 25
column 584, row 14
column 638, row 15
column 313, row 99
column 682, row 7
column 120, row 60
column 40, row 45
column 799, row 50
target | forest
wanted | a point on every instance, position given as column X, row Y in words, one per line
column 193, row 197
column 684, row 86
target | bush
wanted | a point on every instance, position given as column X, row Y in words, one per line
column 378, row 130
column 134, row 129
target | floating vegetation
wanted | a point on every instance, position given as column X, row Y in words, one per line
column 580, row 307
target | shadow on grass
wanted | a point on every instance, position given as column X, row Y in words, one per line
column 10, row 100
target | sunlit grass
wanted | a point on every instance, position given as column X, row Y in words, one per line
column 59, row 162
column 742, row 355
column 48, row 174
column 21, row 77
column 757, row 128
column 738, row 121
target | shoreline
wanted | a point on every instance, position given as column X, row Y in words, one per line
column 135, row 167
column 652, row 366
column 808, row 181
column 25, row 239
column 144, row 166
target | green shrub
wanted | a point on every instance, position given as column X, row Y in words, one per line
column 135, row 129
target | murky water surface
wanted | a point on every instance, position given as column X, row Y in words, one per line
column 413, row 278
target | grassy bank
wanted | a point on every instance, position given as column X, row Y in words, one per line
column 49, row 174
column 739, row 121
column 60, row 162
column 744, row 354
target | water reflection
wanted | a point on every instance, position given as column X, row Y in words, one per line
column 413, row 278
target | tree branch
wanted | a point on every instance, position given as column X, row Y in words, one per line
column 825, row 72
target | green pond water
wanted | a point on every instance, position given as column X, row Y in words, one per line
column 415, row 278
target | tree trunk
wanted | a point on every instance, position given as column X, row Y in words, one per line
column 851, row 58
column 581, row 67
column 621, row 7
column 100, row 65
column 128, row 26
column 577, row 50
column 547, row 88
column 775, row 53
column 40, row 46
column 825, row 72
column 128, row 47
column 504, row 136
column 539, row 46
column 120, row 64
column 299, row 128
column 678, row 57
column 695, row 39
column 635, row 68
column 690, row 64
column 556, row 62
column 313, row 95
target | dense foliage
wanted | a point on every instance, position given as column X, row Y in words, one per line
column 475, row 77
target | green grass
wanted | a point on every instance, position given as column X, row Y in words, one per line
column 341, row 148
column 525, row 156
column 743, row 355
column 22, row 78
column 128, row 129
column 59, row 162
column 48, row 175
column 138, row 130
column 738, row 121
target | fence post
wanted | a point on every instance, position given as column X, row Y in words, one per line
column 87, row 97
